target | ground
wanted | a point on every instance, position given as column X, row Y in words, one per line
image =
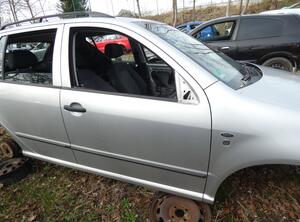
column 53, row 193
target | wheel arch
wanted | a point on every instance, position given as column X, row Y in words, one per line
column 12, row 135
column 210, row 193
column 284, row 54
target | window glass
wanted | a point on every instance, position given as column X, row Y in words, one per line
column 2, row 48
column 216, row 32
column 151, row 57
column 252, row 28
column 28, row 58
column 104, row 40
column 109, row 61
column 218, row 64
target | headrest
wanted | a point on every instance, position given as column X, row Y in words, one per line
column 20, row 59
column 113, row 51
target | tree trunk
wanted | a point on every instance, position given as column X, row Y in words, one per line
column 174, row 12
column 246, row 7
column 228, row 8
column 13, row 9
column 182, row 12
column 42, row 8
column 194, row 10
column 139, row 8
column 241, row 7
column 29, row 7
column 274, row 4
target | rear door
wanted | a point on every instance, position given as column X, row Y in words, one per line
column 257, row 37
column 30, row 91
column 220, row 36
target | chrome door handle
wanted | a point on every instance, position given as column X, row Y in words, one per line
column 225, row 48
column 75, row 107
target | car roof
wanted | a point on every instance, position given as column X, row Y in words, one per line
column 58, row 19
column 250, row 16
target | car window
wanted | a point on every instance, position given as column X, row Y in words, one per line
column 216, row 32
column 2, row 50
column 253, row 28
column 28, row 58
column 123, row 41
column 219, row 65
column 117, row 66
column 151, row 57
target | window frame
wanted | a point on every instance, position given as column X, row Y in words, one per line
column 3, row 57
column 56, row 65
column 66, row 78
column 230, row 36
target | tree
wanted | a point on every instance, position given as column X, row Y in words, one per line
column 241, row 7
column 174, row 12
column 29, row 7
column 194, row 10
column 246, row 7
column 72, row 5
column 228, row 8
column 139, row 8
column 12, row 6
column 274, row 4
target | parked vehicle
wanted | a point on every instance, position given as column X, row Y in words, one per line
column 103, row 41
column 262, row 39
column 188, row 26
column 293, row 9
column 179, row 117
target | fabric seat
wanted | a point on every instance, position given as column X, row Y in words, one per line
column 21, row 60
column 123, row 77
column 87, row 77
column 90, row 80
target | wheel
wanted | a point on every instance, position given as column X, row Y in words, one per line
column 279, row 63
column 9, row 149
column 169, row 208
column 13, row 170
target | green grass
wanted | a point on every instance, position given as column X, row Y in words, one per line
column 53, row 193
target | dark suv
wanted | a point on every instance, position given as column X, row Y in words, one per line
column 270, row 40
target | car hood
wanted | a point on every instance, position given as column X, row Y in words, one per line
column 276, row 87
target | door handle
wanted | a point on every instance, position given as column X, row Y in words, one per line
column 75, row 107
column 225, row 48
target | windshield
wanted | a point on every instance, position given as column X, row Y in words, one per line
column 218, row 64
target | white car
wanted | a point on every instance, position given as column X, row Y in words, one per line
column 293, row 9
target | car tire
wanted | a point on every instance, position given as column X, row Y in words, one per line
column 9, row 149
column 279, row 63
column 13, row 170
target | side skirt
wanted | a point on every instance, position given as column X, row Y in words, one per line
column 165, row 188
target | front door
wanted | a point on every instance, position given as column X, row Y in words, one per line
column 136, row 134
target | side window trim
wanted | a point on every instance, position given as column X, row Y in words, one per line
column 2, row 62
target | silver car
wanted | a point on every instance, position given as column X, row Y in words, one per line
column 170, row 114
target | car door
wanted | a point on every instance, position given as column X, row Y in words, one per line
column 29, row 94
column 147, row 140
column 219, row 36
column 259, row 36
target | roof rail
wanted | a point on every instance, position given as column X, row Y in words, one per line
column 68, row 15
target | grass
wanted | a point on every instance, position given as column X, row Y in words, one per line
column 53, row 193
